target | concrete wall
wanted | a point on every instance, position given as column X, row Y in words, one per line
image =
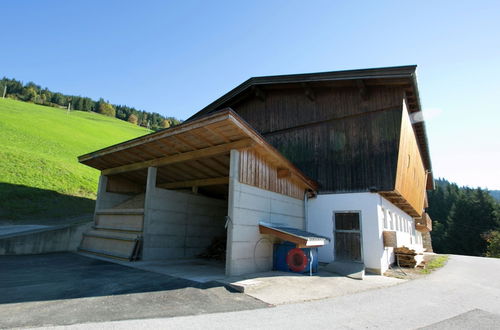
column 373, row 213
column 107, row 200
column 179, row 224
column 52, row 239
column 248, row 251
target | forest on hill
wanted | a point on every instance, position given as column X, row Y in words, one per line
column 465, row 220
column 31, row 92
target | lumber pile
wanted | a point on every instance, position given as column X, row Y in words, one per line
column 216, row 250
column 405, row 257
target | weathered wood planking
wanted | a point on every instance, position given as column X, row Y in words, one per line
column 345, row 143
column 256, row 171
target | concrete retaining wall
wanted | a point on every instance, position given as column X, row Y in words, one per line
column 52, row 239
column 107, row 200
column 248, row 250
column 180, row 225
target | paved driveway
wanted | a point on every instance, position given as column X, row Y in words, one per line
column 36, row 290
column 465, row 294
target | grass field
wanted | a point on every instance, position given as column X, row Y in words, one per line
column 40, row 177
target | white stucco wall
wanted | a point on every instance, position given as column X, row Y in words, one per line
column 395, row 219
column 373, row 208
column 248, row 251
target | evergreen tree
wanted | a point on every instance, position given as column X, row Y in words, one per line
column 472, row 215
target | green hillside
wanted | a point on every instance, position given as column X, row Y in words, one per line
column 40, row 177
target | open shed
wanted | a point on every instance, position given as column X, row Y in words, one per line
column 170, row 194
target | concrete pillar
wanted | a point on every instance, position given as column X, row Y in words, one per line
column 148, row 196
column 101, row 190
column 233, row 182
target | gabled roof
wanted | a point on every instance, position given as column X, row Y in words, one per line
column 190, row 154
column 404, row 76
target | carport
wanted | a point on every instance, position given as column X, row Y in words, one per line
column 171, row 194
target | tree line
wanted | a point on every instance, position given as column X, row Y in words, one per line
column 465, row 220
column 31, row 92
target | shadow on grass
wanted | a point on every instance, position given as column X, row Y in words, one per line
column 20, row 204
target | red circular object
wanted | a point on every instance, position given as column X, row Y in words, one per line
column 296, row 260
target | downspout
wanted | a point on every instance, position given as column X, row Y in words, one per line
column 305, row 211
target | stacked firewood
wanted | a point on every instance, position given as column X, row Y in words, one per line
column 216, row 250
column 405, row 257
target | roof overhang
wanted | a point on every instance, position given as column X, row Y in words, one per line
column 301, row 238
column 404, row 76
column 195, row 153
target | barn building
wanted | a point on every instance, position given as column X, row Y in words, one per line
column 337, row 160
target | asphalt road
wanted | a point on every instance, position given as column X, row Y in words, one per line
column 67, row 288
column 465, row 294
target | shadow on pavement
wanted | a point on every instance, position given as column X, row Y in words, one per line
column 68, row 275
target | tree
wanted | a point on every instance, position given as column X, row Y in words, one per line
column 34, row 93
column 132, row 119
column 29, row 94
column 472, row 215
column 107, row 109
column 493, row 240
column 165, row 123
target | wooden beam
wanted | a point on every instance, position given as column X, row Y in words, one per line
column 309, row 92
column 259, row 93
column 284, row 236
column 363, row 91
column 178, row 158
column 284, row 173
column 195, row 183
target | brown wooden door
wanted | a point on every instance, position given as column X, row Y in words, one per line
column 347, row 229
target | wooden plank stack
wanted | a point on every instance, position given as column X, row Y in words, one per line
column 216, row 250
column 405, row 257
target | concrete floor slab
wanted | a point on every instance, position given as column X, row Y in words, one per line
column 192, row 269
column 272, row 287
column 197, row 270
column 283, row 288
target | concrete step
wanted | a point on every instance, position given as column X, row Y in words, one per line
column 132, row 203
column 354, row 270
column 121, row 229
column 110, row 243
column 103, row 254
column 119, row 211
column 120, row 219
column 113, row 234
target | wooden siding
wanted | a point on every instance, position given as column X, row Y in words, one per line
column 256, row 171
column 411, row 176
column 343, row 139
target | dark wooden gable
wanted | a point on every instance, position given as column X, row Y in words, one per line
column 343, row 139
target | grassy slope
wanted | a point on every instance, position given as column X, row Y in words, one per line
column 40, row 176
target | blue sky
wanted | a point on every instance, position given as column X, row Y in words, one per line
column 176, row 57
